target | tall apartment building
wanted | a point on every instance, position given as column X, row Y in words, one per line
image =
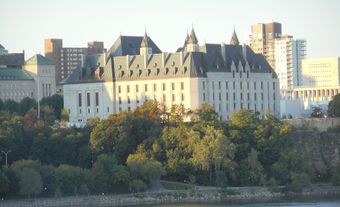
column 262, row 40
column 289, row 54
column 229, row 77
column 66, row 59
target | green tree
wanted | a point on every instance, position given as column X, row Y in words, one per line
column 142, row 167
column 26, row 104
column 177, row 144
column 109, row 176
column 10, row 106
column 30, row 182
column 251, row 171
column 334, row 106
column 317, row 112
column 1, row 104
column 213, row 152
column 55, row 103
column 335, row 176
column 68, row 179
column 290, row 162
column 120, row 134
column 4, row 184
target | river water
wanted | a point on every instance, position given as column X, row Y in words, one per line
column 283, row 204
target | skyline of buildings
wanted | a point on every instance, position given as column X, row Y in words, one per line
column 298, row 85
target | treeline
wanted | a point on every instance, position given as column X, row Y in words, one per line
column 126, row 151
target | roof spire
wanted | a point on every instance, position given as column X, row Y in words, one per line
column 192, row 38
column 234, row 39
column 145, row 40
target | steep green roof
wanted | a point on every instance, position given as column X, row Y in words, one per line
column 14, row 74
column 39, row 60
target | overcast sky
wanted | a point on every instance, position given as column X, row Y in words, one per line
column 25, row 24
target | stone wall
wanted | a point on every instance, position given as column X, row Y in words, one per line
column 321, row 149
column 322, row 124
column 232, row 195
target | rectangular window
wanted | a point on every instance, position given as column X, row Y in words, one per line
column 173, row 86
column 137, row 88
column 128, row 88
column 97, row 98
column 226, row 85
column 219, row 96
column 164, row 97
column 248, row 85
column 128, row 98
column 248, row 96
column 182, row 97
column 234, row 85
column 203, row 85
column 234, row 96
column 242, row 96
column 261, row 85
column 173, row 97
column 274, row 97
column 219, row 85
column 182, row 86
column 241, row 85
column 146, row 87
column 273, row 86
column 88, row 99
column 119, row 100
column 213, row 96
column 226, row 96
column 203, row 96
column 154, row 87
column 255, row 96
column 255, row 85
column 262, row 96
column 119, row 89
column 79, row 100
column 213, row 85
column 164, row 87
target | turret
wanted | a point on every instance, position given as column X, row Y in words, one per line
column 192, row 43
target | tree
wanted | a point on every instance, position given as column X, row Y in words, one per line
column 10, row 106
column 334, row 106
column 336, row 176
column 4, row 184
column 26, row 104
column 144, row 168
column 1, row 104
column 64, row 116
column 317, row 112
column 109, row 176
column 120, row 134
column 68, row 179
column 289, row 163
column 213, row 152
column 30, row 182
column 251, row 171
column 55, row 103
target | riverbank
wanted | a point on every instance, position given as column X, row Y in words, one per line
column 231, row 194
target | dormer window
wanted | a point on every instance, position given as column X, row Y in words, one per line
column 140, row 73
column 149, row 72
column 166, row 71
column 120, row 66
column 137, row 66
column 185, row 70
column 131, row 73
column 176, row 70
column 122, row 73
column 173, row 63
column 158, row 71
column 155, row 65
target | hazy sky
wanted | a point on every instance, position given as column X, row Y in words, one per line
column 24, row 24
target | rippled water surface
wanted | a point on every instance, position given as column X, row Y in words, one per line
column 285, row 204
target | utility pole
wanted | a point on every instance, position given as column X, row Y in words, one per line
column 6, row 153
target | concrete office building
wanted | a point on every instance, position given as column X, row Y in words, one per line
column 229, row 77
